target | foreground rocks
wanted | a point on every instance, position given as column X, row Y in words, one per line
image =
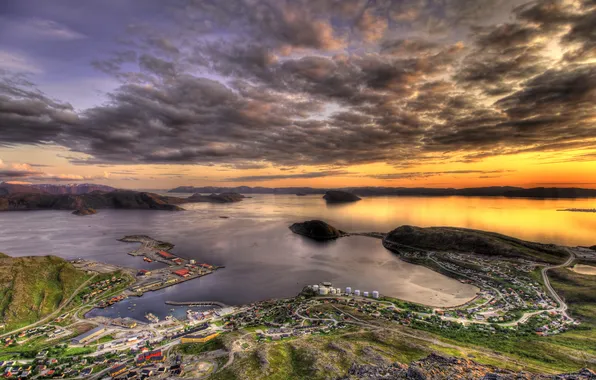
column 435, row 367
column 317, row 230
column 338, row 196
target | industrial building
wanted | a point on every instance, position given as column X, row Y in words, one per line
column 366, row 294
column 323, row 290
column 166, row 255
column 182, row 272
column 199, row 338
column 89, row 335
column 348, row 291
column 356, row 292
column 375, row 294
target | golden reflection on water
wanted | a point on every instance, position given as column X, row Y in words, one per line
column 535, row 220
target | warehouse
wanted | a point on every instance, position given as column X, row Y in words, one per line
column 89, row 335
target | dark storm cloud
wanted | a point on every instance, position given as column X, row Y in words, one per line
column 260, row 83
column 29, row 116
column 8, row 174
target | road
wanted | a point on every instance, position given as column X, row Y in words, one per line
column 562, row 305
column 56, row 312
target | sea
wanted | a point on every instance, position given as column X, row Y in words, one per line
column 263, row 259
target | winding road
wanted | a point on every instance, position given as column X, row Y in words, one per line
column 562, row 305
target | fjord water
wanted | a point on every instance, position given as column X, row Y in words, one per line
column 264, row 259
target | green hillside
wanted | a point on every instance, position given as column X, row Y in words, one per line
column 467, row 240
column 33, row 287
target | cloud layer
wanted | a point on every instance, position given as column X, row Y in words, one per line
column 253, row 83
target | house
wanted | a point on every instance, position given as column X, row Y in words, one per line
column 117, row 370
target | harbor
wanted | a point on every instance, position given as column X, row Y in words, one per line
column 178, row 269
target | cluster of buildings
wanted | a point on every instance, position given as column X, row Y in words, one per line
column 43, row 367
column 178, row 270
column 507, row 287
column 97, row 288
column 326, row 288
column 48, row 331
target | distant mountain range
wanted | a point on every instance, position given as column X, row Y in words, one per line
column 73, row 189
column 494, row 191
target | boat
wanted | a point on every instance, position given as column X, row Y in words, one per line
column 152, row 317
column 147, row 259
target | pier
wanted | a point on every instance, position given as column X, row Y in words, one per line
column 197, row 303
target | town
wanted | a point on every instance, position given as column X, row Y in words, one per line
column 512, row 300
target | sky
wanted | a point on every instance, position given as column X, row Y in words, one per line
column 329, row 93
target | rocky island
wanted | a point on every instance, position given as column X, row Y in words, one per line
column 84, row 211
column 338, row 196
column 216, row 198
column 317, row 230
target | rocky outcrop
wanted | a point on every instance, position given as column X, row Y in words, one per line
column 216, row 198
column 338, row 196
column 317, row 230
column 435, row 367
column 84, row 211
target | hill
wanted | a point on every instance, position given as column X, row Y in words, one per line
column 33, row 287
column 467, row 240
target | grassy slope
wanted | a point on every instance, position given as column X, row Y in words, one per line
column 33, row 287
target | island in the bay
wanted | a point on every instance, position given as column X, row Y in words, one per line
column 533, row 317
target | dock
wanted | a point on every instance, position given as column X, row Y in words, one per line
column 197, row 303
